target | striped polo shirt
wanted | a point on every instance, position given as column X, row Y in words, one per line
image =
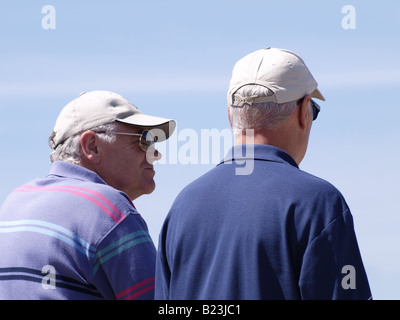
column 72, row 236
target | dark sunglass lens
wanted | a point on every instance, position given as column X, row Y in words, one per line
column 146, row 140
column 316, row 109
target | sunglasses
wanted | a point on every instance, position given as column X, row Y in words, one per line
column 146, row 138
column 315, row 107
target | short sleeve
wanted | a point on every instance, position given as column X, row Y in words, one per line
column 124, row 264
column 332, row 267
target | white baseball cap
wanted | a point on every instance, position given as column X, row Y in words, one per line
column 95, row 108
column 281, row 71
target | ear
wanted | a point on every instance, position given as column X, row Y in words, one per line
column 304, row 112
column 229, row 115
column 89, row 146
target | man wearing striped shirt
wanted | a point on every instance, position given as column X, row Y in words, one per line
column 76, row 234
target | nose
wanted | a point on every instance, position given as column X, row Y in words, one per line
column 153, row 155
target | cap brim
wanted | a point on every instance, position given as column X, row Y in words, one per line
column 151, row 122
column 318, row 95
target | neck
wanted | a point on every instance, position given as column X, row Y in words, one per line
column 277, row 138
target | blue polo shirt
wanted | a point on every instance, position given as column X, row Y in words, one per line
column 275, row 233
column 71, row 236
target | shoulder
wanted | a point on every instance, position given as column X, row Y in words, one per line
column 109, row 201
column 281, row 177
column 321, row 207
column 93, row 209
column 203, row 184
column 317, row 188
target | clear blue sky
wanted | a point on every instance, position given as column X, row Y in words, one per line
column 174, row 59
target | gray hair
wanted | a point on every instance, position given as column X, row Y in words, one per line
column 259, row 115
column 70, row 149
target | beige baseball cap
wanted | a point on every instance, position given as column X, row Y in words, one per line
column 95, row 108
column 281, row 71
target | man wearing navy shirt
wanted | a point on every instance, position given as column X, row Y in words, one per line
column 256, row 226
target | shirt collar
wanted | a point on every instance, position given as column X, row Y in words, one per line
column 64, row 169
column 258, row 152
column 68, row 170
